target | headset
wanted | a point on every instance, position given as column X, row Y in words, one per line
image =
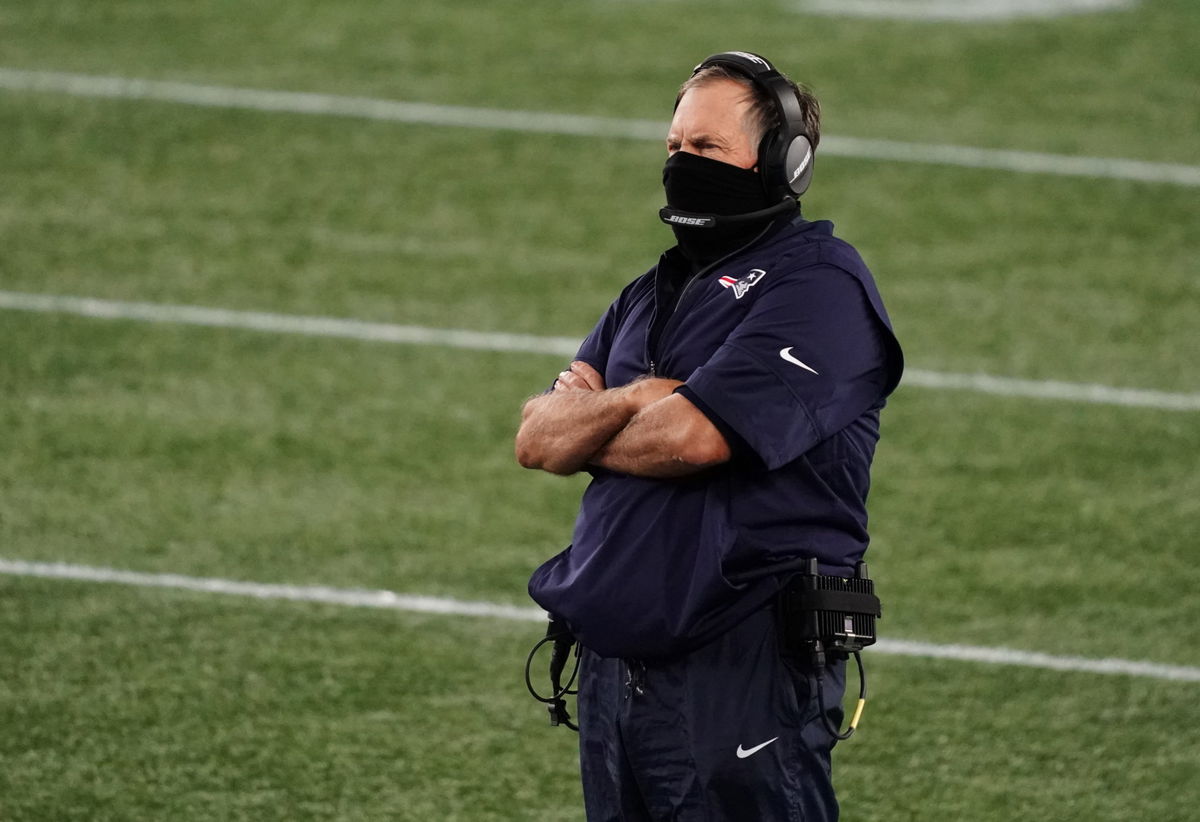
column 785, row 154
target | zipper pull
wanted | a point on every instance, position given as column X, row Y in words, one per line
column 652, row 368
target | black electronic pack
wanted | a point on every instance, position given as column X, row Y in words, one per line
column 840, row 612
column 825, row 617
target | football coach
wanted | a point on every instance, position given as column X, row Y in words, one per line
column 727, row 408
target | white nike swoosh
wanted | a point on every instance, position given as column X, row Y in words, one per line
column 786, row 353
column 743, row 753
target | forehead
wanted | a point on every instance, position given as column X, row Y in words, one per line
column 719, row 106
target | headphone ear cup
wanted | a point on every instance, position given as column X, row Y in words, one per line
column 798, row 165
column 771, row 163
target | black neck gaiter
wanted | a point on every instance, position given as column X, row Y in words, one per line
column 699, row 184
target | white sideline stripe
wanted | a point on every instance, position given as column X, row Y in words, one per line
column 359, row 598
column 352, row 597
column 536, row 122
column 1032, row 659
column 551, row 346
column 1028, row 162
column 298, row 102
column 966, row 10
column 288, row 324
column 1052, row 390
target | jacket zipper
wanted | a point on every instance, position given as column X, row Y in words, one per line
column 682, row 294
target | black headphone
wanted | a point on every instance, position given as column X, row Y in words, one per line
column 785, row 154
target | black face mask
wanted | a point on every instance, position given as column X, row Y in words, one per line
column 704, row 186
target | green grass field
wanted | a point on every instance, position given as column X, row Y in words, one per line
column 1059, row 527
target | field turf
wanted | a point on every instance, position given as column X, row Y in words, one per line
column 1061, row 527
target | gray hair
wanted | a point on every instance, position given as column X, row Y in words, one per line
column 762, row 114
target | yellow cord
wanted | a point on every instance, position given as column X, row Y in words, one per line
column 862, row 703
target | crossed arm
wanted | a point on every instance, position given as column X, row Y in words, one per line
column 642, row 428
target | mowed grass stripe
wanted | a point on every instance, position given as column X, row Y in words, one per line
column 550, row 346
column 360, row 598
column 538, row 122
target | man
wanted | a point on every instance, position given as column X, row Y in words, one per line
column 727, row 407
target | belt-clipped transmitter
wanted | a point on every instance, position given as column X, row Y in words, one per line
column 828, row 617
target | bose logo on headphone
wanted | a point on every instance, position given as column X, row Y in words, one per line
column 753, row 58
column 803, row 165
column 676, row 218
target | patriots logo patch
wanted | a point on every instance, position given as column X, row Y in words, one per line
column 740, row 287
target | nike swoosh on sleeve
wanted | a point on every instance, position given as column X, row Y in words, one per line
column 786, row 353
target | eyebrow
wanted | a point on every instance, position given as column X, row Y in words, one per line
column 710, row 139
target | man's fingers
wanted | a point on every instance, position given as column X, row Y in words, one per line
column 569, row 381
column 589, row 375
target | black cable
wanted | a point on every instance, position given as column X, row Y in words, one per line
column 836, row 733
column 564, row 642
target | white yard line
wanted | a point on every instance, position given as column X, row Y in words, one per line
column 352, row 597
column 1032, row 659
column 1052, row 390
column 288, row 324
column 86, row 85
column 551, row 346
column 359, row 598
column 962, row 10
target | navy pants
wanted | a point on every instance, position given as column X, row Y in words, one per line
column 730, row 731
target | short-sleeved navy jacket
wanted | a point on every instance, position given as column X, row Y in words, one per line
column 786, row 347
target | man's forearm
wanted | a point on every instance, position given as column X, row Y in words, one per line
column 562, row 430
column 669, row 438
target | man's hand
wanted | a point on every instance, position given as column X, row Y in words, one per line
column 579, row 377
